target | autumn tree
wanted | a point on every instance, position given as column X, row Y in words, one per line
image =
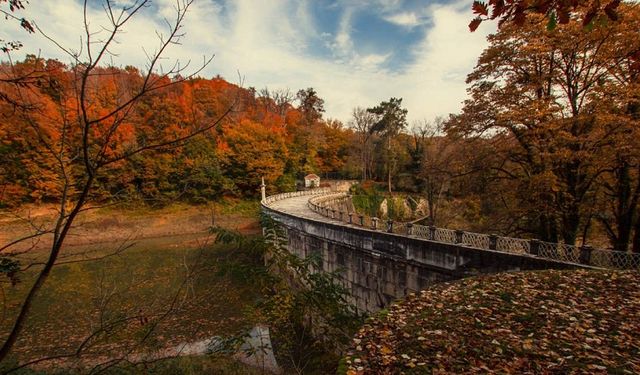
column 334, row 150
column 250, row 151
column 11, row 10
column 536, row 89
column 555, row 11
column 433, row 163
column 305, row 132
column 391, row 118
column 619, row 95
column 362, row 121
column 82, row 126
column 310, row 104
column 618, row 211
column 278, row 102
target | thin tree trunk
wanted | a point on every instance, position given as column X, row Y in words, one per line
column 363, row 159
column 585, row 230
column 389, row 163
column 636, row 237
column 548, row 229
column 571, row 223
column 431, row 205
column 44, row 274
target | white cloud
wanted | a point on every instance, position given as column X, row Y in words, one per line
column 407, row 19
column 269, row 42
column 446, row 55
column 342, row 45
column 373, row 60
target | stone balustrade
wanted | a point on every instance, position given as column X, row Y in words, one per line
column 277, row 197
column 323, row 202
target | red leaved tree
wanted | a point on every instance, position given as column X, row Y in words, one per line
column 79, row 123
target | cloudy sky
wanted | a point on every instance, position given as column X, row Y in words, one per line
column 354, row 53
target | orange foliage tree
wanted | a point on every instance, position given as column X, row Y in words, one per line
column 77, row 125
column 540, row 94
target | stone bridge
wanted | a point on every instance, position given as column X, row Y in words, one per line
column 381, row 262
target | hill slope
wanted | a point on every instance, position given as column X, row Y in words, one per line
column 525, row 322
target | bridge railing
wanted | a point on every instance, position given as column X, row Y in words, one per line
column 277, row 197
column 586, row 255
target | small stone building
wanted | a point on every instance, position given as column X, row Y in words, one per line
column 311, row 181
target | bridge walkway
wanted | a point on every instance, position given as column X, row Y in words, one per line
column 297, row 206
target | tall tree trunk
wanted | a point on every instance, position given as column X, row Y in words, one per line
column 626, row 203
column 621, row 242
column 431, row 204
column 364, row 160
column 570, row 225
column 624, row 195
column 585, row 230
column 571, row 199
column 547, row 228
column 389, row 163
column 636, row 237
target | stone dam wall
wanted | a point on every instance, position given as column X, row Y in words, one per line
column 379, row 267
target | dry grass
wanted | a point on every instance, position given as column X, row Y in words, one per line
column 170, row 261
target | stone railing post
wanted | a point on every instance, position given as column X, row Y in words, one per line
column 409, row 229
column 390, row 226
column 459, row 234
column 534, row 247
column 585, row 254
column 361, row 220
column 333, row 213
column 374, row 223
column 493, row 242
column 341, row 215
column 350, row 217
column 432, row 233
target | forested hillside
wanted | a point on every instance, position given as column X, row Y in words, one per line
column 264, row 134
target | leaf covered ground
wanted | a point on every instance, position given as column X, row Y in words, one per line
column 526, row 322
